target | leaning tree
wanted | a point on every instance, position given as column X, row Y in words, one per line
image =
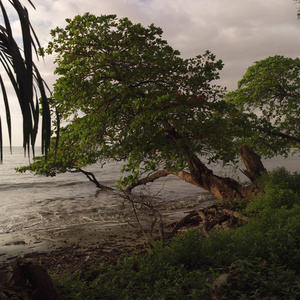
column 25, row 78
column 126, row 95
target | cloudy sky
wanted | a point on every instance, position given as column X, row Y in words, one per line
column 238, row 32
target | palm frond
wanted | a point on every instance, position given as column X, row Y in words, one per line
column 7, row 110
column 25, row 78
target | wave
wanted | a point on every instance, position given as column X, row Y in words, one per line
column 40, row 185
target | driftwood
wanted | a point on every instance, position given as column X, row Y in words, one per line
column 208, row 218
column 34, row 282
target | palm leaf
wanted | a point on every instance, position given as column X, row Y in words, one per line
column 46, row 122
column 24, row 77
column 19, row 66
column 7, row 110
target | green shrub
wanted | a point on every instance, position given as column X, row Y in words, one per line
column 137, row 277
column 261, row 259
column 272, row 234
column 185, row 249
column 281, row 189
column 257, row 279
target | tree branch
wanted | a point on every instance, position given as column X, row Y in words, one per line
column 187, row 177
column 150, row 178
column 93, row 179
column 283, row 135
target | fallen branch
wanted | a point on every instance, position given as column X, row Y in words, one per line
column 236, row 215
column 219, row 220
column 209, row 218
column 182, row 222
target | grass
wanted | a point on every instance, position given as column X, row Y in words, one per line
column 260, row 260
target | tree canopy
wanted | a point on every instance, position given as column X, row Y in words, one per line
column 298, row 9
column 24, row 77
column 127, row 95
column 271, row 89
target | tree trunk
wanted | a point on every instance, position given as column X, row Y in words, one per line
column 223, row 188
column 42, row 284
column 252, row 162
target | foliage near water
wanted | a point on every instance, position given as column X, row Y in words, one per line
column 260, row 260
column 124, row 94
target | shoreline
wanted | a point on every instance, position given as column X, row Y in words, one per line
column 77, row 237
column 67, row 250
column 74, row 248
column 80, row 237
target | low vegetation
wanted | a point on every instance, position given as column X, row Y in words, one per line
column 257, row 260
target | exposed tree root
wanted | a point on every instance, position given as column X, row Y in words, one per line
column 208, row 218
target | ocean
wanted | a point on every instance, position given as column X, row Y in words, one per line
column 29, row 201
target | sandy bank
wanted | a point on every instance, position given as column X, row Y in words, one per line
column 78, row 237
column 120, row 237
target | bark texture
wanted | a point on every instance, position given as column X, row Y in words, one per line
column 252, row 162
column 207, row 219
column 223, row 188
column 38, row 279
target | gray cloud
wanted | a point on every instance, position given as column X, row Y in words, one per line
column 238, row 32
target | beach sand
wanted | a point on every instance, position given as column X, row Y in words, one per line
column 98, row 239
column 67, row 250
column 74, row 248
column 79, row 238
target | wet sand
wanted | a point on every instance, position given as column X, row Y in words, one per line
column 102, row 239
column 107, row 237
column 67, row 250
column 72, row 249
column 77, row 237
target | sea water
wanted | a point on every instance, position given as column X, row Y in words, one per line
column 29, row 201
